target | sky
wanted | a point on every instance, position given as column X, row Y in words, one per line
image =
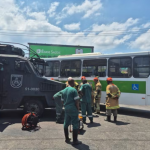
column 111, row 26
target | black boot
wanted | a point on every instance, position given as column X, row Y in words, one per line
column 59, row 121
column 67, row 136
column 75, row 138
column 115, row 118
column 108, row 119
column 93, row 109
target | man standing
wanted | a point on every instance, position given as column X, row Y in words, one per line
column 112, row 99
column 92, row 95
column 76, row 85
column 70, row 100
column 97, row 94
column 58, row 103
column 85, row 92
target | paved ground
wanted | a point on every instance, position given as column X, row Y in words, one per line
column 132, row 132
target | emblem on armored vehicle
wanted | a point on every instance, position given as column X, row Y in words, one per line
column 16, row 80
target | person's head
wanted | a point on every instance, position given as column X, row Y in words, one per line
column 71, row 81
column 95, row 80
column 52, row 78
column 84, row 81
column 109, row 80
column 83, row 78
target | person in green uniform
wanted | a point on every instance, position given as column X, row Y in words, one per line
column 85, row 92
column 70, row 101
column 58, row 103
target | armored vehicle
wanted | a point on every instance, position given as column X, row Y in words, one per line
column 21, row 84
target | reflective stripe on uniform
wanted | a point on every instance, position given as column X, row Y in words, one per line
column 107, row 91
column 90, row 116
column 77, row 97
column 113, row 107
column 62, row 99
column 83, row 115
column 58, row 113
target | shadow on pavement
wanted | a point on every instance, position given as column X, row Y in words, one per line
column 9, row 117
column 120, row 123
column 130, row 112
column 92, row 125
column 81, row 147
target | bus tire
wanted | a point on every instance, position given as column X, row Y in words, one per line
column 34, row 106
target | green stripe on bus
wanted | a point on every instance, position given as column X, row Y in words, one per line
column 124, row 86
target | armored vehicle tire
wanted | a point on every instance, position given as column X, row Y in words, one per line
column 34, row 106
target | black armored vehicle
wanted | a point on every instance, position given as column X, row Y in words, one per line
column 22, row 85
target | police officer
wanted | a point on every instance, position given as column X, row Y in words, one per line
column 97, row 94
column 85, row 92
column 70, row 100
column 76, row 85
column 112, row 99
column 58, row 103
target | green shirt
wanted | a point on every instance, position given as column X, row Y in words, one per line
column 86, row 89
column 69, row 97
column 58, row 94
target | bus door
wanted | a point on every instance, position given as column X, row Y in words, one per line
column 148, row 91
column 1, row 82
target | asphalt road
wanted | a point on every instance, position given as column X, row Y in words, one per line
column 131, row 132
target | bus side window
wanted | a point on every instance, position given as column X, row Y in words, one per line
column 141, row 66
column 96, row 67
column 70, row 68
column 52, row 68
column 120, row 67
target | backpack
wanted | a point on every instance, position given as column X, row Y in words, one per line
column 29, row 121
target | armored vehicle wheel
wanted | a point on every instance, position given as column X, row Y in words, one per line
column 34, row 106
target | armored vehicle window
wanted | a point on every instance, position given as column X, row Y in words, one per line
column 141, row 66
column 52, row 69
column 70, row 68
column 120, row 67
column 96, row 67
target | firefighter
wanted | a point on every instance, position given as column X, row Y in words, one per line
column 85, row 92
column 70, row 101
column 82, row 78
column 112, row 100
column 76, row 85
column 97, row 95
column 58, row 104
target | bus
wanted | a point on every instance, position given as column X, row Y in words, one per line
column 130, row 72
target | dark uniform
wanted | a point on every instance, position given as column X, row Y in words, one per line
column 58, row 103
column 86, row 90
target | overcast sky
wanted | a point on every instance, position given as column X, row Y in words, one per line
column 111, row 26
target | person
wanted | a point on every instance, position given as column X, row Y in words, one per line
column 97, row 95
column 92, row 95
column 85, row 92
column 70, row 100
column 112, row 100
column 58, row 103
column 76, row 85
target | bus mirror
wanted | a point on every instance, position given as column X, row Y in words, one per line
column 1, row 67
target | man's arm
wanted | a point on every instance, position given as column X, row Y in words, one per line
column 77, row 104
column 76, row 98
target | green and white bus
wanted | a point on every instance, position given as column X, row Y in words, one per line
column 130, row 72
